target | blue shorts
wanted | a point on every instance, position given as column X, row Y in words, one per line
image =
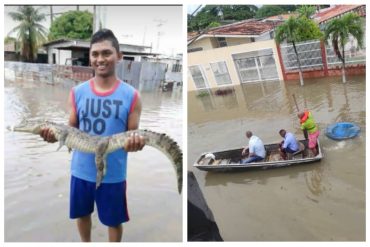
column 110, row 201
column 288, row 150
column 251, row 159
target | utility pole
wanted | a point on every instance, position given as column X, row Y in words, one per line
column 94, row 19
column 51, row 14
column 78, row 7
column 192, row 14
column 160, row 23
column 144, row 35
column 159, row 35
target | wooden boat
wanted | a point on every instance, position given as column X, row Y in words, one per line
column 229, row 160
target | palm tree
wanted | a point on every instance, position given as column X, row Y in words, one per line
column 306, row 10
column 298, row 29
column 288, row 31
column 339, row 31
column 30, row 33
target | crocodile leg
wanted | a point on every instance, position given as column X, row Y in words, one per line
column 62, row 138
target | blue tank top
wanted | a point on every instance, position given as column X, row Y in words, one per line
column 102, row 114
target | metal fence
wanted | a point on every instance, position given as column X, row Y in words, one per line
column 353, row 54
column 309, row 54
column 141, row 75
column 29, row 71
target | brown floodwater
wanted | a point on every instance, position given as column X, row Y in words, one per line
column 37, row 177
column 321, row 201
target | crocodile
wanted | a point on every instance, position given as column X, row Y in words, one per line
column 101, row 146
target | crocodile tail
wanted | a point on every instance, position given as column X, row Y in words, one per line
column 169, row 147
column 159, row 141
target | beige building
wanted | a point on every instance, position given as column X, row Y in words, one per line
column 238, row 53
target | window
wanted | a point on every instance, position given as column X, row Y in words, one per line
column 221, row 41
column 177, row 67
column 221, row 73
column 198, row 78
column 256, row 65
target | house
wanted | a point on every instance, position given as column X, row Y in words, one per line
column 174, row 63
column 242, row 32
column 76, row 52
column 335, row 11
column 12, row 53
column 242, row 52
column 279, row 18
column 173, row 68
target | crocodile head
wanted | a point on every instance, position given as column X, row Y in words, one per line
column 29, row 127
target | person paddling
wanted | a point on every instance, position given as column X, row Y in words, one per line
column 310, row 130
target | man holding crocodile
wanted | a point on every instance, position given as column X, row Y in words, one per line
column 102, row 106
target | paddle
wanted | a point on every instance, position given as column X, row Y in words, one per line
column 295, row 101
column 304, row 131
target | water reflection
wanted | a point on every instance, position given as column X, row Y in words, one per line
column 273, row 97
column 314, row 181
column 260, row 177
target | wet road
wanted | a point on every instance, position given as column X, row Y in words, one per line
column 37, row 177
column 314, row 202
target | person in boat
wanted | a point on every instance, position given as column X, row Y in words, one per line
column 255, row 150
column 288, row 145
column 310, row 130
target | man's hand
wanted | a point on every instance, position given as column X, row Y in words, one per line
column 245, row 151
column 134, row 143
column 305, row 133
column 48, row 135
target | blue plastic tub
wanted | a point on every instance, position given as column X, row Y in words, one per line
column 342, row 130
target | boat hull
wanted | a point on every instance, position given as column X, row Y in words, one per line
column 233, row 157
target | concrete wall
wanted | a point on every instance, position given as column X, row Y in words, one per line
column 265, row 36
column 60, row 55
column 209, row 43
column 204, row 58
column 238, row 41
column 205, row 43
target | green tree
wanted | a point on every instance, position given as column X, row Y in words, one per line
column 238, row 12
column 30, row 33
column 339, row 31
column 214, row 24
column 219, row 13
column 73, row 25
column 306, row 11
column 297, row 30
column 201, row 20
column 269, row 10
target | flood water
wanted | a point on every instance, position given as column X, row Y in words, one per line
column 37, row 178
column 321, row 201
